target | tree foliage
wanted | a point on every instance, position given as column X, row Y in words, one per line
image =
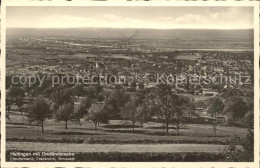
column 14, row 96
column 19, row 102
column 39, row 111
column 234, row 154
column 65, row 113
column 237, row 108
column 78, row 90
column 83, row 109
column 216, row 106
column 171, row 105
column 131, row 112
column 97, row 114
column 115, row 102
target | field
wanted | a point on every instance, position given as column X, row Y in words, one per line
column 116, row 137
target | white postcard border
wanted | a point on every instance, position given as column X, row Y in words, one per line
column 254, row 164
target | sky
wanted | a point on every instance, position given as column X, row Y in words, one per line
column 131, row 17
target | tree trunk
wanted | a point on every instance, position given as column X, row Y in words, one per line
column 95, row 125
column 178, row 124
column 21, row 111
column 163, row 125
column 178, row 128
column 66, row 126
column 42, row 127
column 133, row 127
column 167, row 127
column 214, row 129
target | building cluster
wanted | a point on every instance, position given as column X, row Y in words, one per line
column 121, row 58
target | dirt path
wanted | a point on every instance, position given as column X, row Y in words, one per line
column 128, row 148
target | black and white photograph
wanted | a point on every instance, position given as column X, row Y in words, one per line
column 130, row 84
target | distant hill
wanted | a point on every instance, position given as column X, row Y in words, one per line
column 111, row 33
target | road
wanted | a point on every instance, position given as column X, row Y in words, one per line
column 127, row 148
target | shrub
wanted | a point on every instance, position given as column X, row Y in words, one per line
column 233, row 154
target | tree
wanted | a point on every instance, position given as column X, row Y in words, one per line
column 133, row 86
column 190, row 106
column 59, row 97
column 36, row 89
column 65, row 113
column 12, row 96
column 140, row 85
column 9, row 103
column 230, row 93
column 200, row 104
column 15, row 92
column 131, row 112
column 180, row 107
column 93, row 92
column 98, row 89
column 171, row 106
column 166, row 100
column 216, row 106
column 97, row 114
column 153, row 107
column 237, row 108
column 8, row 81
column 62, row 95
column 115, row 102
column 82, row 109
column 39, row 111
column 19, row 103
column 144, row 111
column 143, row 105
column 78, row 90
column 246, row 154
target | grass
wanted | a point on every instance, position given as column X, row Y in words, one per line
column 33, row 134
column 117, row 132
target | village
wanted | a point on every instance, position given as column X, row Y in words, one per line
column 120, row 87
